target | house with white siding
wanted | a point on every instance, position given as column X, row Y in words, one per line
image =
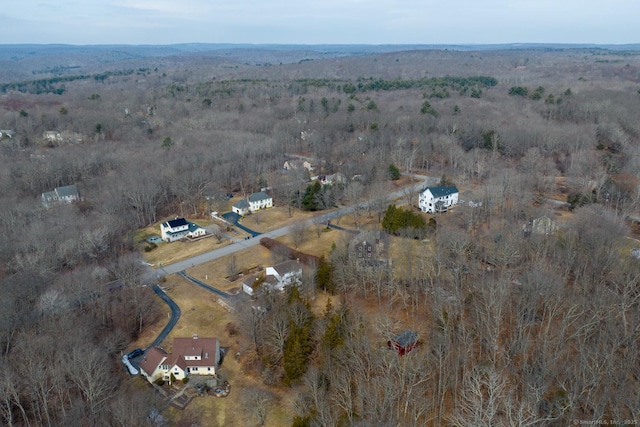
column 437, row 199
column 253, row 203
column 180, row 228
column 276, row 277
column 61, row 195
column 260, row 200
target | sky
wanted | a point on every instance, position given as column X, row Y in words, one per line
column 158, row 22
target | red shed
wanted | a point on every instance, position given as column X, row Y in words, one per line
column 404, row 342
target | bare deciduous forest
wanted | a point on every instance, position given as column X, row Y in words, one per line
column 516, row 328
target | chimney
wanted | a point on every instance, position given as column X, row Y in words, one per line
column 195, row 336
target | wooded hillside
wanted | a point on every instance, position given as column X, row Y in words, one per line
column 515, row 328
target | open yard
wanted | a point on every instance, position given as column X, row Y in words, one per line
column 272, row 218
column 202, row 315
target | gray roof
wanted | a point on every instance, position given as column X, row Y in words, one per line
column 241, row 204
column 67, row 191
column 441, row 190
column 260, row 195
column 49, row 195
column 287, row 267
column 406, row 338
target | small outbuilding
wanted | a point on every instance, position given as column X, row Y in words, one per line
column 404, row 342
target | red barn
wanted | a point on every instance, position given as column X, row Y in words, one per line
column 404, row 342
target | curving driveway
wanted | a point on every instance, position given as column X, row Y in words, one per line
column 204, row 285
column 234, row 218
column 175, row 316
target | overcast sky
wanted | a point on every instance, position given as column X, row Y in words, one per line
column 320, row 21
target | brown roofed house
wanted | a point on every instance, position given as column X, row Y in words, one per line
column 190, row 356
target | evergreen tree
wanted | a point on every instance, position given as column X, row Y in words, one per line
column 324, row 275
column 397, row 220
column 394, row 172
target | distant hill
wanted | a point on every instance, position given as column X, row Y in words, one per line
column 27, row 62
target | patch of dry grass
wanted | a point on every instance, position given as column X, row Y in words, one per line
column 214, row 272
column 273, row 218
column 168, row 253
column 317, row 240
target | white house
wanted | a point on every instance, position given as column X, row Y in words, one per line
column 275, row 278
column 180, row 228
column 437, row 199
column 254, row 282
column 241, row 207
column 253, row 203
column 189, row 356
column 260, row 200
column 60, row 195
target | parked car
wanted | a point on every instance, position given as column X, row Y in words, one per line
column 135, row 353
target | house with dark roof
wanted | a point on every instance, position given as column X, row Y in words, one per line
column 61, row 195
column 260, row 200
column 276, row 277
column 180, row 228
column 253, row 203
column 241, row 207
column 189, row 356
column 404, row 342
column 437, row 199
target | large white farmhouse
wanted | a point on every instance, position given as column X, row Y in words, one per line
column 437, row 199
column 180, row 228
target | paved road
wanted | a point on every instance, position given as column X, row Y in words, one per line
column 238, row 246
column 175, row 315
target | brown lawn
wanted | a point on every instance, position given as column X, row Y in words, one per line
column 215, row 272
column 202, row 315
column 273, row 218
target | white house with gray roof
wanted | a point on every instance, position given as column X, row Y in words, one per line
column 260, row 200
column 437, row 199
column 61, row 195
column 180, row 228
